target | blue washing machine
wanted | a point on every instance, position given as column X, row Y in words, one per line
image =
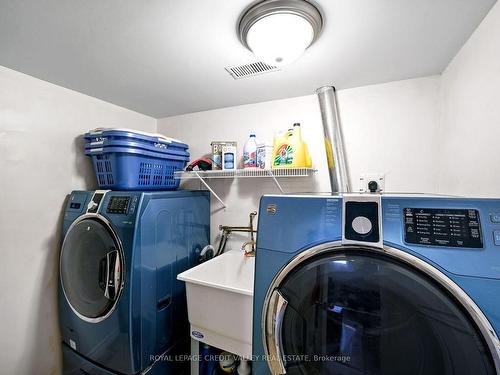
column 370, row 284
column 121, row 308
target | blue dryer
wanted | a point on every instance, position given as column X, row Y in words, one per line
column 122, row 310
column 370, row 284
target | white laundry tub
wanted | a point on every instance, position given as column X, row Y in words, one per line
column 220, row 302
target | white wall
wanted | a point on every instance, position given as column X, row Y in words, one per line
column 434, row 134
column 470, row 120
column 392, row 129
column 389, row 128
column 41, row 162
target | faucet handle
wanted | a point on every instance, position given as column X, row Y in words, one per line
column 252, row 216
column 251, row 252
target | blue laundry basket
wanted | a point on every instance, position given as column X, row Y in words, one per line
column 129, row 168
column 152, row 142
column 137, row 145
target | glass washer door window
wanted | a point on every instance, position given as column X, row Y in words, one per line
column 91, row 268
column 364, row 313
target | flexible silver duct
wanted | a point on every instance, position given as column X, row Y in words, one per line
column 334, row 145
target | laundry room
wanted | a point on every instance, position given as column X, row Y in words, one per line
column 250, row 187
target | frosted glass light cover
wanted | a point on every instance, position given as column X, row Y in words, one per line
column 280, row 39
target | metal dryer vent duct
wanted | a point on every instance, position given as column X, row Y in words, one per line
column 334, row 145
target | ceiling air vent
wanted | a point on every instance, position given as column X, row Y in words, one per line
column 250, row 70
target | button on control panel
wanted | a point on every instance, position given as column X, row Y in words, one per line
column 495, row 217
column 118, row 205
column 496, row 237
column 362, row 225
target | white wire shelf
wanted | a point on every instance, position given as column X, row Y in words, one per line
column 245, row 173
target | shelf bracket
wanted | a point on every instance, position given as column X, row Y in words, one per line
column 210, row 189
column 276, row 181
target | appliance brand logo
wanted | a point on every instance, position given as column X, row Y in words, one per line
column 272, row 209
column 197, row 334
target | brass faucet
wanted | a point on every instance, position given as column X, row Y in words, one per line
column 252, row 237
column 227, row 230
column 245, row 244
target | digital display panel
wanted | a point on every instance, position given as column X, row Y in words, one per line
column 442, row 227
column 118, row 205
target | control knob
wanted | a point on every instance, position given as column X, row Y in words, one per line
column 92, row 206
column 373, row 186
column 362, row 225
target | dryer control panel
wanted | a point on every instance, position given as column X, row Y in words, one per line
column 443, row 227
column 118, row 205
column 456, row 234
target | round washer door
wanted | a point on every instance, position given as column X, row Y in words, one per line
column 355, row 311
column 91, row 267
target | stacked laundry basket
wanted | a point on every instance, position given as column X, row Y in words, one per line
column 126, row 159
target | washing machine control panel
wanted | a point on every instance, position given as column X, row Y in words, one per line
column 442, row 227
column 118, row 205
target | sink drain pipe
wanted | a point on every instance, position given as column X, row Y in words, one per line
column 334, row 145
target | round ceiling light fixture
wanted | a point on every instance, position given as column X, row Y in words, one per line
column 279, row 31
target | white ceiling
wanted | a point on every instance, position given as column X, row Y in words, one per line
column 167, row 57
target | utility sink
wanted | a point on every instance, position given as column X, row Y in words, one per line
column 220, row 302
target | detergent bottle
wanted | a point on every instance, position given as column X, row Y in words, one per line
column 290, row 151
column 282, row 150
column 303, row 159
column 250, row 152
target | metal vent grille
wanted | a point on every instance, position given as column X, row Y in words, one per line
column 250, row 70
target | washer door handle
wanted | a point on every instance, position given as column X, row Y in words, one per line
column 112, row 275
column 274, row 322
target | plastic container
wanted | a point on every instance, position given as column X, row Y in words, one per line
column 129, row 168
column 102, row 137
column 250, row 153
column 281, row 152
column 177, row 150
column 264, row 156
column 228, row 157
column 227, row 363
column 301, row 147
column 290, row 151
column 217, row 152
